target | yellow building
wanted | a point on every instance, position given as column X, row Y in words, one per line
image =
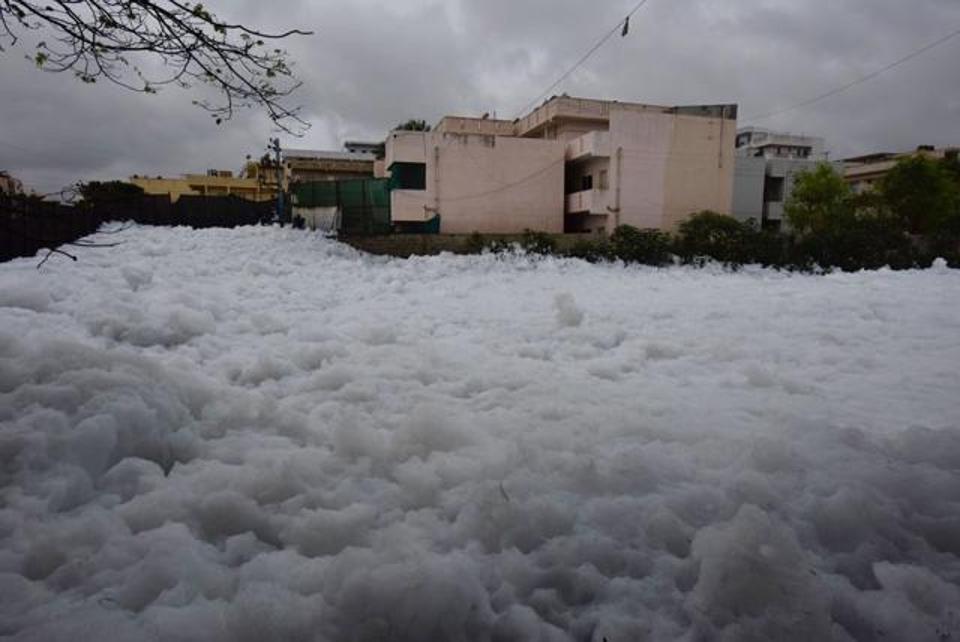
column 864, row 173
column 255, row 185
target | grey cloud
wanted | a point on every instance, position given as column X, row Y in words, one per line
column 372, row 64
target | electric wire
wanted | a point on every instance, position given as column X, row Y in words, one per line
column 584, row 58
column 858, row 81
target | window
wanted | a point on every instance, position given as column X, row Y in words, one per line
column 604, row 184
column 773, row 189
column 586, row 182
column 409, row 175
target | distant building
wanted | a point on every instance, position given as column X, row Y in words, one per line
column 305, row 165
column 766, row 169
column 863, row 173
column 214, row 183
column 763, row 143
column 9, row 185
column 571, row 165
column 360, row 147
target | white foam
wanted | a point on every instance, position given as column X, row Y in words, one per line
column 261, row 434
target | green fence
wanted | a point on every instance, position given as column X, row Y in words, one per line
column 364, row 203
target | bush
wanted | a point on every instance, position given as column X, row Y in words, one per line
column 711, row 235
column 475, row 244
column 592, row 251
column 766, row 247
column 869, row 242
column 538, row 243
column 649, row 247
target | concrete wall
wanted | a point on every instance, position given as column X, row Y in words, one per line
column 639, row 149
column 700, row 168
column 464, row 125
column 409, row 206
column 748, row 180
column 495, row 184
column 406, row 147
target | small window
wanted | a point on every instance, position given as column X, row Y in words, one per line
column 586, row 183
column 603, row 179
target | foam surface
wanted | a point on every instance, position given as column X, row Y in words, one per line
column 260, row 434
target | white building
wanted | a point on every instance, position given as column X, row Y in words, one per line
column 766, row 168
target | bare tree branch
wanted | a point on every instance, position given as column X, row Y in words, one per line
column 110, row 39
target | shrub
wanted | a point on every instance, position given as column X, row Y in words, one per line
column 475, row 243
column 538, row 243
column 766, row 247
column 631, row 245
column 592, row 251
column 717, row 236
column 868, row 242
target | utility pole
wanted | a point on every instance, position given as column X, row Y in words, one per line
column 275, row 148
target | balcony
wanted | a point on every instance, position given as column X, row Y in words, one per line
column 592, row 145
column 592, row 201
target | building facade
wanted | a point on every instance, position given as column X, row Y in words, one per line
column 307, row 165
column 767, row 166
column 864, row 173
column 215, row 182
column 571, row 165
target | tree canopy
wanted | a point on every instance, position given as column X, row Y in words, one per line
column 121, row 41
column 413, row 125
column 820, row 199
column 922, row 193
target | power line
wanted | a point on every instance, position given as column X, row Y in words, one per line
column 620, row 25
column 858, row 81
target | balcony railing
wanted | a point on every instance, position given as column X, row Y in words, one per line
column 591, row 145
column 591, row 201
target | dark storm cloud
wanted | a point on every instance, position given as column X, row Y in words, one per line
column 373, row 64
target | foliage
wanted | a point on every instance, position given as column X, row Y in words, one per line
column 99, row 193
column 867, row 242
column 120, row 40
column 708, row 234
column 413, row 125
column 821, row 199
column 594, row 251
column 922, row 194
column 632, row 245
column 475, row 243
column 538, row 243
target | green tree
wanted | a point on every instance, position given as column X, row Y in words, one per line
column 922, row 193
column 821, row 200
column 413, row 125
column 105, row 193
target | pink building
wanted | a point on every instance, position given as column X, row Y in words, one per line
column 571, row 165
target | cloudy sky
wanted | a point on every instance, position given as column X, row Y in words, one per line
column 372, row 64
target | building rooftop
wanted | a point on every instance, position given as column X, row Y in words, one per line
column 316, row 154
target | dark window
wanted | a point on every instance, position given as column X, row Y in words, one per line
column 408, row 175
column 586, row 182
column 773, row 189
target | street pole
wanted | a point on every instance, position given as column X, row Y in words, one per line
column 275, row 148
